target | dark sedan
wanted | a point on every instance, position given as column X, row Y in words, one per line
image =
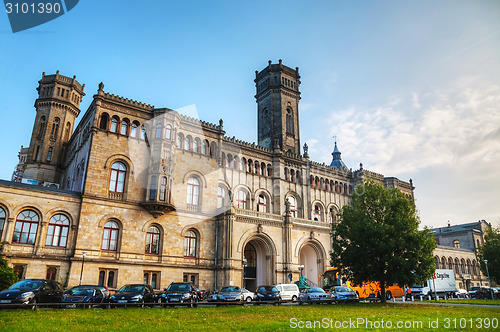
column 267, row 293
column 180, row 292
column 314, row 295
column 343, row 294
column 103, row 289
column 486, row 293
column 31, row 292
column 82, row 296
column 134, row 293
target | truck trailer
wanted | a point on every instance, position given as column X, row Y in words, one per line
column 443, row 281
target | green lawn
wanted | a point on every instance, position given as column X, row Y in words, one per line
column 468, row 301
column 251, row 318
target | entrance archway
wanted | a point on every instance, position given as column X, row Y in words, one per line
column 312, row 258
column 259, row 267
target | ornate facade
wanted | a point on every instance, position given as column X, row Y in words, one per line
column 143, row 194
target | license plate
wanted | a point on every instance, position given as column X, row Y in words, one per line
column 173, row 300
column 5, row 301
column 122, row 301
column 71, row 306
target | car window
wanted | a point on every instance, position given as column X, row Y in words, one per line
column 179, row 288
column 315, row 290
column 289, row 288
column 27, row 284
column 83, row 292
column 230, row 289
column 343, row 289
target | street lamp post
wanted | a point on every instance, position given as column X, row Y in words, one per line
column 83, row 263
column 301, row 267
column 489, row 280
column 244, row 262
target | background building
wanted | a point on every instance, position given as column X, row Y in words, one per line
column 150, row 195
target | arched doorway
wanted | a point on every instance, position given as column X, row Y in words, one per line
column 259, row 261
column 311, row 257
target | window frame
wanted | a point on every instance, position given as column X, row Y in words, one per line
column 190, row 243
column 113, row 232
column 34, row 221
column 152, row 233
column 56, row 225
column 115, row 177
column 193, row 192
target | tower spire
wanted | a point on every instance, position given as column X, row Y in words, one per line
column 337, row 160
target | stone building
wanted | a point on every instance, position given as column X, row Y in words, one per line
column 456, row 250
column 143, row 194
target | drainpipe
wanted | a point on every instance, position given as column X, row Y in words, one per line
column 216, row 242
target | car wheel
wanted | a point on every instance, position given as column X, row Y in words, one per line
column 142, row 303
column 33, row 304
column 300, row 302
column 294, row 298
column 249, row 299
column 388, row 295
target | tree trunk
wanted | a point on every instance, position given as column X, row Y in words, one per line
column 382, row 292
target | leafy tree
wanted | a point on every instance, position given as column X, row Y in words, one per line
column 7, row 275
column 377, row 239
column 491, row 251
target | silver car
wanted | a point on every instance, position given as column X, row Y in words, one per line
column 343, row 294
column 232, row 294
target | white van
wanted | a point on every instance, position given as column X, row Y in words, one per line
column 288, row 291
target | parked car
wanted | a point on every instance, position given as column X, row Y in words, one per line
column 486, row 293
column 267, row 293
column 32, row 291
column 461, row 293
column 314, row 295
column 180, row 292
column 288, row 291
column 105, row 291
column 82, row 295
column 232, row 293
column 133, row 293
column 472, row 291
column 343, row 294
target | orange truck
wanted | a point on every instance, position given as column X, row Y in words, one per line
column 368, row 290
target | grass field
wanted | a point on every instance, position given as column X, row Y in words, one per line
column 255, row 318
column 468, row 301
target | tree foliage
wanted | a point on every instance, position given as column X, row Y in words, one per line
column 377, row 239
column 7, row 275
column 491, row 252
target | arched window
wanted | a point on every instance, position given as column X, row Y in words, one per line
column 180, row 138
column 457, row 266
column 456, row 244
column 205, row 147
column 41, row 129
column 317, row 213
column 26, row 227
column 213, row 149
column 332, row 215
column 262, row 203
column 49, row 154
column 133, row 131
column 293, row 205
column 269, row 170
column 193, row 191
column 2, row 221
column 168, row 131
column 110, row 236
column 462, row 266
column 124, row 127
column 55, row 128
column 187, row 143
column 436, row 262
column 190, row 240
column 152, row 191
column 221, row 196
column 289, row 121
column 66, row 134
column 196, row 145
column 114, row 125
column 243, row 164
column 117, row 179
column 153, row 240
column 263, row 169
column 443, row 262
column 57, row 233
column 241, row 199
column 468, row 264
column 143, row 133
column 158, row 131
column 450, row 263
column 163, row 189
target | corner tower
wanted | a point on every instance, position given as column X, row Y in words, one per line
column 57, row 107
column 278, row 107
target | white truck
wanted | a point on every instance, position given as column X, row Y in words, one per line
column 444, row 281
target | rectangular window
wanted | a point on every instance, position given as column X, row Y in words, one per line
column 20, row 270
column 51, row 273
column 108, row 278
column 192, row 278
column 152, row 278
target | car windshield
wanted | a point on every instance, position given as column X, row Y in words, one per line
column 267, row 289
column 131, row 288
column 315, row 290
column 83, row 292
column 343, row 289
column 230, row 289
column 178, row 288
column 27, row 284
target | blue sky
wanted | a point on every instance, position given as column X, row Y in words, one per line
column 410, row 88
